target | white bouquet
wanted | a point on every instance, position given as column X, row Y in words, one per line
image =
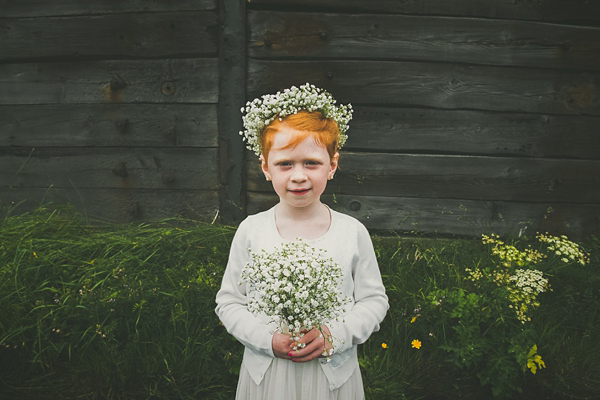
column 297, row 286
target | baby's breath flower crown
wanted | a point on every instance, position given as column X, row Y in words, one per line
column 260, row 112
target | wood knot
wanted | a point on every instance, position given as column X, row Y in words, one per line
column 120, row 169
column 323, row 35
column 122, row 125
column 168, row 177
column 354, row 206
column 117, row 83
column 171, row 134
column 168, row 88
column 134, row 209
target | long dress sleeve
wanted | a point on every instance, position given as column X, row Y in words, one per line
column 232, row 306
column 370, row 301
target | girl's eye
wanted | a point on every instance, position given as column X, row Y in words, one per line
column 312, row 163
column 285, row 164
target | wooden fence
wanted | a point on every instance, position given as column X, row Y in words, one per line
column 470, row 117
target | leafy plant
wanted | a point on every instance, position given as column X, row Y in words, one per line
column 484, row 327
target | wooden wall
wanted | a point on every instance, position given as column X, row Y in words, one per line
column 110, row 105
column 470, row 116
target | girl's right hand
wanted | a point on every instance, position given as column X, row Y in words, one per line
column 282, row 345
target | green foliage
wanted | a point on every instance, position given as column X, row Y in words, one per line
column 101, row 311
column 114, row 311
column 463, row 301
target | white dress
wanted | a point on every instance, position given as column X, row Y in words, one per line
column 262, row 375
column 286, row 380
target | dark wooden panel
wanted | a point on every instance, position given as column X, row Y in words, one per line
column 578, row 11
column 400, row 37
column 457, row 216
column 438, row 85
column 183, row 34
column 138, row 168
column 472, row 132
column 118, row 205
column 37, row 8
column 232, row 94
column 459, row 177
column 118, row 81
column 109, row 125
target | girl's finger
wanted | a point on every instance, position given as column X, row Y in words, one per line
column 315, row 345
column 309, row 357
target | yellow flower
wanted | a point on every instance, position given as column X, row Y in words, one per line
column 416, row 344
column 413, row 319
column 35, row 254
column 384, row 345
column 533, row 358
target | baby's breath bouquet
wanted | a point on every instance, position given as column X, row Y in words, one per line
column 296, row 285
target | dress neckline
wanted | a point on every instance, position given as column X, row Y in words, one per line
column 314, row 240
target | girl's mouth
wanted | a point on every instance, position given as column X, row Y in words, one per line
column 299, row 192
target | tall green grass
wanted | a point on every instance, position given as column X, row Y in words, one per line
column 113, row 311
column 126, row 311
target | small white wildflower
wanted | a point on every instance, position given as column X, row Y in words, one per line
column 262, row 111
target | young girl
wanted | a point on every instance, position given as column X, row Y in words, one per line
column 297, row 134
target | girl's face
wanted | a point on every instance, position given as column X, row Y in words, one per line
column 299, row 174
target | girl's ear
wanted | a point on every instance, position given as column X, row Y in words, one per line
column 333, row 166
column 265, row 167
column 334, row 163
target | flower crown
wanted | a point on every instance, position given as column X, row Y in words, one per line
column 262, row 111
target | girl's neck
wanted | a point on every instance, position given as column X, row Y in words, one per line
column 302, row 222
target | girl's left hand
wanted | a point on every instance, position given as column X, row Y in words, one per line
column 316, row 344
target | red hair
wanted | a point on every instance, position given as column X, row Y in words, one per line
column 324, row 130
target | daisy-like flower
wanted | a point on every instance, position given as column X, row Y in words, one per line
column 416, row 344
column 384, row 345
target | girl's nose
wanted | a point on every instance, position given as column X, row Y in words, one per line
column 298, row 175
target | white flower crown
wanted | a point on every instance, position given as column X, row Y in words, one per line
column 260, row 112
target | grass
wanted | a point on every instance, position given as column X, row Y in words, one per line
column 104, row 311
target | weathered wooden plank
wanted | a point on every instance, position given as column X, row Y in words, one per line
column 37, row 8
column 276, row 35
column 180, row 34
column 459, row 177
column 457, row 216
column 580, row 11
column 118, row 205
column 116, row 81
column 109, row 125
column 472, row 132
column 232, row 86
column 438, row 85
column 138, row 168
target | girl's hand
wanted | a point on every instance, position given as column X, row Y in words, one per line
column 282, row 345
column 316, row 344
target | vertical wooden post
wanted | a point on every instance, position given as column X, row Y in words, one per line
column 232, row 96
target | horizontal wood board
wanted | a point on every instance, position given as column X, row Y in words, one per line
column 459, row 177
column 176, row 34
column 435, row 85
column 127, row 168
column 37, row 8
column 457, row 216
column 414, row 130
column 117, row 205
column 111, row 81
column 568, row 11
column 280, row 35
column 109, row 125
